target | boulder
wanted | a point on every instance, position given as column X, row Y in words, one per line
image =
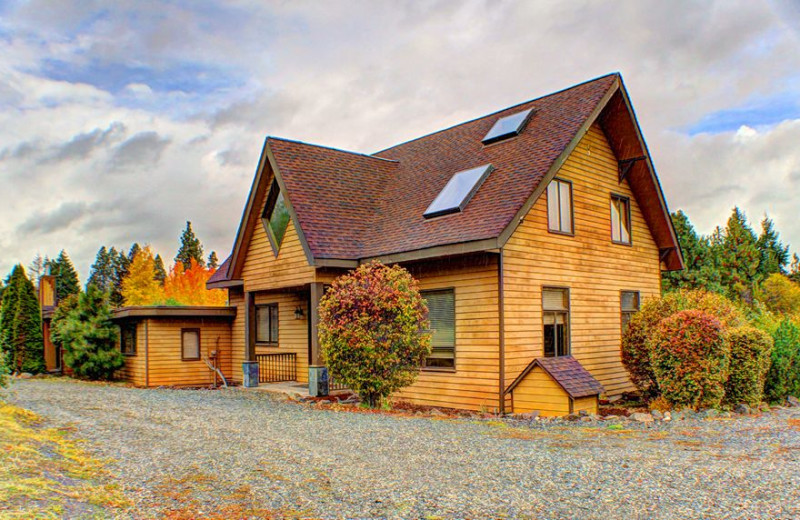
column 25, row 375
column 529, row 416
column 742, row 409
column 641, row 417
column 572, row 417
column 657, row 414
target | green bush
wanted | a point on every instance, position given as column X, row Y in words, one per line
column 690, row 354
column 783, row 377
column 4, row 371
column 89, row 337
column 749, row 362
column 371, row 330
column 636, row 352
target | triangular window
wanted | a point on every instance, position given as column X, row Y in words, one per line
column 275, row 217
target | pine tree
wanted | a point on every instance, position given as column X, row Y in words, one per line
column 90, row 337
column 119, row 267
column 133, row 251
column 101, row 274
column 21, row 324
column 213, row 261
column 66, row 277
column 700, row 271
column 160, row 272
column 140, row 286
column 740, row 257
column 774, row 255
column 190, row 249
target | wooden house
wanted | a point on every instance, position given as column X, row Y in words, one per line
column 534, row 231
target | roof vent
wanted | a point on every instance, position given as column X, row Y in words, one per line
column 508, row 126
column 458, row 191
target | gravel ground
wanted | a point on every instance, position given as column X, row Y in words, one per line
column 236, row 453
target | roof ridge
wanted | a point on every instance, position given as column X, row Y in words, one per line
column 598, row 78
column 276, row 138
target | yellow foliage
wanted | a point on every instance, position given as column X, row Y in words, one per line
column 140, row 287
column 780, row 295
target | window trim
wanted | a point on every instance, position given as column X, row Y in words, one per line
column 627, row 200
column 268, row 343
column 570, row 233
column 129, row 326
column 449, row 370
column 199, row 345
column 623, row 312
column 272, row 198
column 568, row 313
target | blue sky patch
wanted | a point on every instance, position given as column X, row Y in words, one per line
column 757, row 112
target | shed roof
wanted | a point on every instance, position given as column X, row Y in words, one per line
column 568, row 373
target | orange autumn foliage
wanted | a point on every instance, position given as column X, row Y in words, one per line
column 188, row 286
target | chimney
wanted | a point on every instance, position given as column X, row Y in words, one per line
column 47, row 291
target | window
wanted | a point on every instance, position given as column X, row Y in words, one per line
column 267, row 324
column 559, row 206
column 508, row 126
column 555, row 314
column 458, row 191
column 276, row 216
column 629, row 305
column 620, row 219
column 442, row 315
column 190, row 344
column 128, row 339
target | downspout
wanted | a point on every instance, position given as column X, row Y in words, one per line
column 146, row 353
column 502, row 353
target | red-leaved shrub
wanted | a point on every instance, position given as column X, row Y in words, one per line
column 371, row 330
column 689, row 353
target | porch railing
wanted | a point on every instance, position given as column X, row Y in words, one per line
column 274, row 368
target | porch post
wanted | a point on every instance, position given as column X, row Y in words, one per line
column 249, row 327
column 317, row 372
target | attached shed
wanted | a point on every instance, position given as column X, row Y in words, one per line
column 175, row 346
column 555, row 386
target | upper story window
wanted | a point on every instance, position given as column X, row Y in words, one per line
column 620, row 219
column 276, row 216
column 629, row 305
column 267, row 324
column 442, row 315
column 559, row 207
column 555, row 315
column 127, row 341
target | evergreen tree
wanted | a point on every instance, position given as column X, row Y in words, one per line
column 21, row 322
column 140, row 286
column 213, row 261
column 160, row 272
column 66, row 277
column 134, row 250
column 90, row 337
column 794, row 269
column 190, row 249
column 119, row 266
column 740, row 257
column 700, row 271
column 101, row 274
column 774, row 255
column 36, row 268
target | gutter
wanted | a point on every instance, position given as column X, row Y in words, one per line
column 501, row 315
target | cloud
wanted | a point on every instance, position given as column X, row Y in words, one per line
column 142, row 150
column 196, row 86
column 48, row 222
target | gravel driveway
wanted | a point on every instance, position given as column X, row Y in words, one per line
column 236, row 453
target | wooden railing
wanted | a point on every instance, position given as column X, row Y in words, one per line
column 333, row 384
column 273, row 368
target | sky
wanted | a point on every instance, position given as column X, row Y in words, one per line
column 121, row 121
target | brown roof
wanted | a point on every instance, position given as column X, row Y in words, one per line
column 568, row 373
column 351, row 207
column 221, row 274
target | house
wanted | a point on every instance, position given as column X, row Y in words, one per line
column 535, row 232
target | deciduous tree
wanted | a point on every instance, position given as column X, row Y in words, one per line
column 140, row 287
column 188, row 286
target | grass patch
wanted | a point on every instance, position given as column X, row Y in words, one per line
column 46, row 474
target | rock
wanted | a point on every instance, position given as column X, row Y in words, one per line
column 641, row 417
column 611, row 417
column 586, row 418
column 572, row 417
column 726, row 415
column 709, row 413
column 25, row 375
column 657, row 414
column 529, row 416
column 436, row 412
column 667, row 416
column 792, row 401
column 742, row 409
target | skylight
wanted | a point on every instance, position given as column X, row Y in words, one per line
column 458, row 191
column 508, row 126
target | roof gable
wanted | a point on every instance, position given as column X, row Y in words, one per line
column 568, row 373
column 349, row 207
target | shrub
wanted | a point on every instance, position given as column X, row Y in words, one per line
column 371, row 330
column 780, row 294
column 749, row 362
column 783, row 377
column 689, row 354
column 59, row 319
column 89, row 337
column 3, row 370
column 636, row 353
